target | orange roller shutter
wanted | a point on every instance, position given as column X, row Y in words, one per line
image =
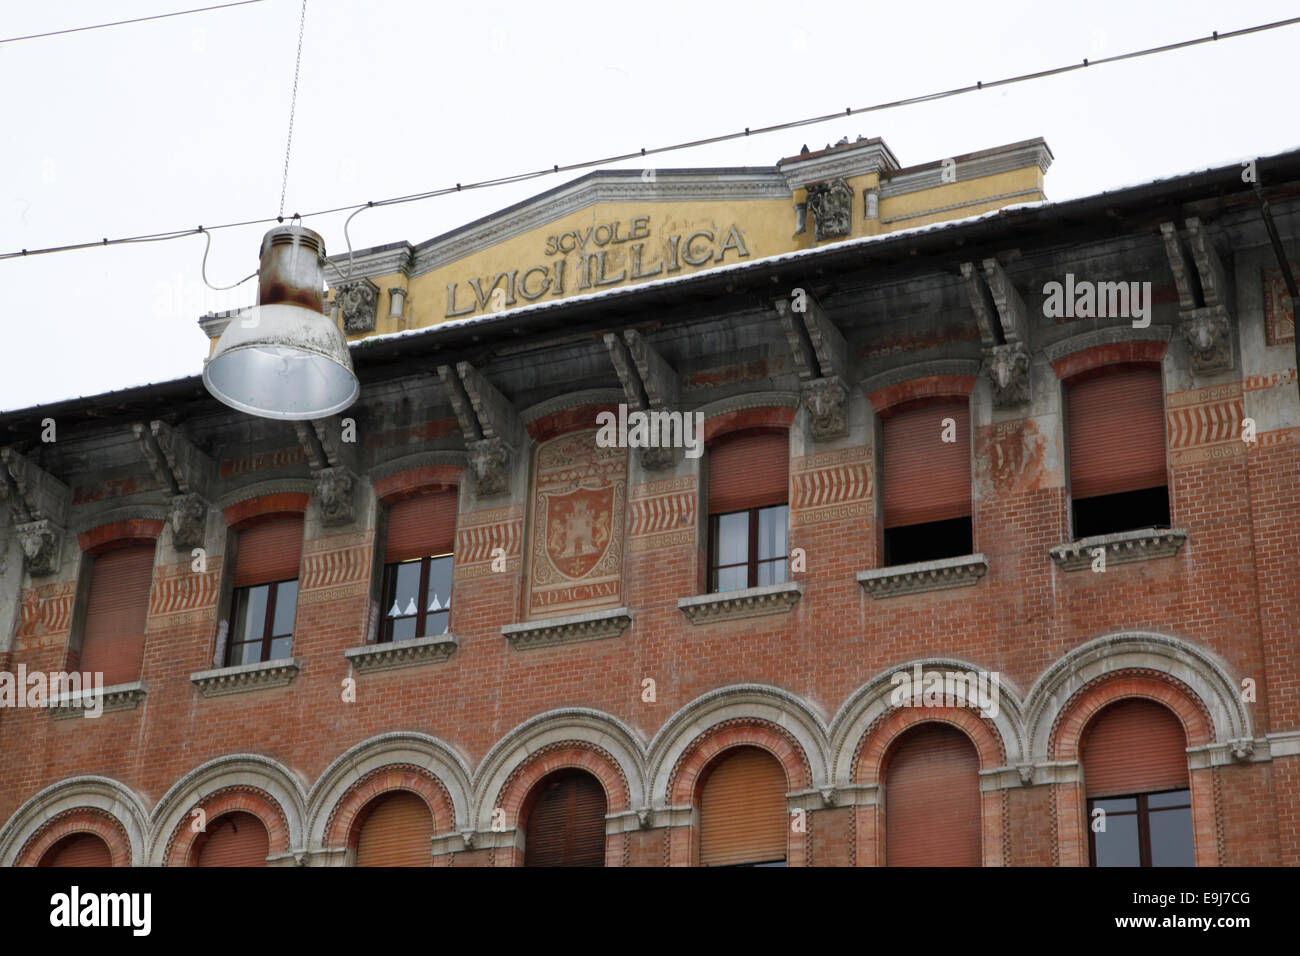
column 932, row 799
column 81, row 849
column 1134, row 746
column 113, row 638
column 743, row 817
column 1116, row 424
column 566, row 825
column 926, row 478
column 398, row 831
column 269, row 551
column 236, row 839
column 420, row 526
column 749, row 470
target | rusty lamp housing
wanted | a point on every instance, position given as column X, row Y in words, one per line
column 283, row 358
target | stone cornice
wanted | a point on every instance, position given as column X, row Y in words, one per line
column 986, row 163
column 856, row 159
column 1121, row 548
column 742, row 603
column 246, row 677
column 395, row 654
column 580, row 399
column 945, row 573
column 1111, row 335
column 916, row 370
column 574, row 629
column 114, row 697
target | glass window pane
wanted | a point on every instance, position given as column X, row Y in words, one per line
column 772, row 572
column 250, row 613
column 436, row 624
column 439, row 596
column 403, row 589
column 772, row 527
column 729, row 579
column 1118, row 844
column 1171, row 838
column 280, row 648
column 249, row 653
column 286, row 602
column 1174, row 798
column 401, row 629
column 1117, row 804
column 731, row 546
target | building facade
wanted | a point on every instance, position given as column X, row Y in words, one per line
column 839, row 514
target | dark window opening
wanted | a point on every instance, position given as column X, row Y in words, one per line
column 417, row 598
column 1145, row 829
column 748, row 548
column 1127, row 511
column 928, row 542
column 262, row 623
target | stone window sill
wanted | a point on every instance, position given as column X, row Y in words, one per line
column 408, row 653
column 246, row 677
column 921, row 576
column 114, row 697
column 591, row 626
column 741, row 603
column 1121, row 548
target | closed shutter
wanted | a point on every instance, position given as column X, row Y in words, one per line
column 420, row 526
column 749, row 470
column 112, row 640
column 236, row 839
column 743, row 817
column 1134, row 746
column 566, row 825
column 80, row 849
column 926, row 478
column 269, row 551
column 1116, row 425
column 932, row 799
column 398, row 831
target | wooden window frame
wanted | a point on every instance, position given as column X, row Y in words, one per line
column 422, row 611
column 1143, row 813
column 752, row 560
column 268, row 623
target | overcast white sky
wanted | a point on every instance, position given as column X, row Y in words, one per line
column 180, row 122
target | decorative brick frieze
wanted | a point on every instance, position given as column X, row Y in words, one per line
column 746, row 602
column 116, row 697
column 573, row 629
column 834, row 486
column 1205, row 424
column 246, row 677
column 938, row 575
column 1279, row 319
column 181, row 595
column 396, row 654
column 663, row 514
column 1121, row 548
column 47, row 609
column 479, row 533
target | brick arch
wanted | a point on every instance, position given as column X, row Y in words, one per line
column 115, row 534
column 78, row 820
column 739, row 732
column 563, row 755
column 418, row 480
column 1137, row 351
column 921, row 387
column 1067, row 730
column 770, row 417
column 344, row 822
column 872, row 749
column 247, row 512
column 577, row 418
column 181, row 845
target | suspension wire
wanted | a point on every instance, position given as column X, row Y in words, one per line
column 293, row 104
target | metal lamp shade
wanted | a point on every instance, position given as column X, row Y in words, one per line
column 282, row 361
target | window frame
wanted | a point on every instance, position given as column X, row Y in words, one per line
column 238, row 596
column 422, row 612
column 1143, row 813
column 752, row 561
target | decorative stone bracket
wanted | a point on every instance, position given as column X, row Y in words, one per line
column 42, row 543
column 332, row 461
column 397, row 654
column 1002, row 318
column 821, row 358
column 742, row 603
column 188, row 474
column 1206, row 322
column 246, row 677
column 592, row 626
column 922, row 576
column 336, row 492
column 649, row 382
column 1120, row 548
column 116, row 697
column 490, row 424
column 38, row 503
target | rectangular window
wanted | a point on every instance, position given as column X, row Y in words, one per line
column 265, row 599
column 749, row 514
column 1116, row 425
column 417, row 595
column 1146, row 829
column 112, row 641
column 926, row 482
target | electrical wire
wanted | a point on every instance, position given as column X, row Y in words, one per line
column 293, row 104
column 118, row 23
column 721, row 138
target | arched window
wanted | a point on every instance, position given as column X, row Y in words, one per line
column 266, row 591
column 396, row 830
column 932, row 799
column 233, row 839
column 566, row 821
column 418, row 557
column 1115, row 419
column 1135, row 773
column 743, row 816
column 926, row 483
column 112, row 640
column 749, row 511
column 79, row 849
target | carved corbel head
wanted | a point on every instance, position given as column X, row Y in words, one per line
column 1007, row 367
column 358, row 301
column 189, row 514
column 1209, row 346
column 831, row 203
column 490, row 459
column 334, row 490
column 42, row 543
column 825, row 400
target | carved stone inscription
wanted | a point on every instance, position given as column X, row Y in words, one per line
column 579, row 504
